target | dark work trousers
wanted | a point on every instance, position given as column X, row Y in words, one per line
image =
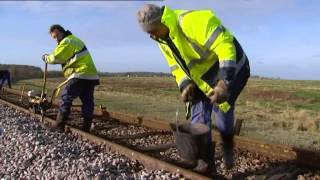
column 82, row 88
column 5, row 76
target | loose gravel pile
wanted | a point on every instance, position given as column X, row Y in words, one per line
column 30, row 152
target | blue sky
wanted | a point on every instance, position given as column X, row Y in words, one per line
column 281, row 37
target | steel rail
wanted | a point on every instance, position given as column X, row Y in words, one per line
column 282, row 152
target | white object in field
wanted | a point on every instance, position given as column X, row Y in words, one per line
column 33, row 93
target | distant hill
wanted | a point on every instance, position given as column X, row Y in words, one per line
column 135, row 74
column 19, row 72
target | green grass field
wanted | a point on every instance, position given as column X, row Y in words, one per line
column 280, row 111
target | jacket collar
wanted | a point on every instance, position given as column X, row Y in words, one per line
column 170, row 19
column 67, row 34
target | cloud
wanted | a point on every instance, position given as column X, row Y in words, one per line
column 316, row 56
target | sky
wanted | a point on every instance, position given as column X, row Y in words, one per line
column 280, row 37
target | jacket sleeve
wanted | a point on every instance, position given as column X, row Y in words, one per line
column 206, row 30
column 181, row 77
column 62, row 53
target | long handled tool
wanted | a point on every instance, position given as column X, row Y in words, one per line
column 40, row 102
column 43, row 92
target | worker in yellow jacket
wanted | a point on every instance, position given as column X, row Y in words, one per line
column 79, row 69
column 209, row 65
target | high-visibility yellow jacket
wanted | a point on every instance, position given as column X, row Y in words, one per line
column 75, row 58
column 209, row 50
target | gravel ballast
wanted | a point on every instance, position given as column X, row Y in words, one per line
column 29, row 151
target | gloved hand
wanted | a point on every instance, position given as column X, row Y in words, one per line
column 188, row 93
column 220, row 94
column 44, row 58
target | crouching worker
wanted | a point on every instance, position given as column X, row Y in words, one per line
column 78, row 67
column 209, row 65
column 5, row 76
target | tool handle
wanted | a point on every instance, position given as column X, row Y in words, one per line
column 177, row 125
column 44, row 81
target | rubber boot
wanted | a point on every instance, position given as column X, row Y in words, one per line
column 87, row 124
column 59, row 124
column 228, row 153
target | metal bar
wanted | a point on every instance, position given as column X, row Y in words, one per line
column 237, row 126
column 44, row 81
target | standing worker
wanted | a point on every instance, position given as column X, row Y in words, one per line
column 5, row 76
column 79, row 69
column 208, row 63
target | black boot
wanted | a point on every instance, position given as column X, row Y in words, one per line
column 212, row 171
column 87, row 124
column 59, row 124
column 228, row 153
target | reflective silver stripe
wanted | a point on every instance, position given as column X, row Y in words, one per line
column 82, row 76
column 174, row 67
column 241, row 63
column 227, row 63
column 58, row 61
column 78, row 55
column 203, row 54
column 192, row 63
column 183, row 80
column 214, row 36
column 82, row 53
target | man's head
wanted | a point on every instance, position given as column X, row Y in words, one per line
column 57, row 32
column 149, row 18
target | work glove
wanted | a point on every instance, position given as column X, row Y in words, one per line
column 220, row 93
column 45, row 58
column 188, row 93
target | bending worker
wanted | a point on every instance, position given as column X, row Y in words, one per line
column 78, row 67
column 5, row 76
column 208, row 63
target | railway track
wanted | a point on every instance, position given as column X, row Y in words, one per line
column 151, row 143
